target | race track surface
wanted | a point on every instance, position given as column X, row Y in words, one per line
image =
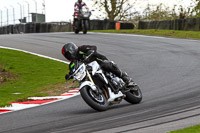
column 166, row 69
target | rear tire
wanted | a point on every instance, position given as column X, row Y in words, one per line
column 134, row 96
column 98, row 103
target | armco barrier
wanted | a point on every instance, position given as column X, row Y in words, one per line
column 60, row 27
column 190, row 24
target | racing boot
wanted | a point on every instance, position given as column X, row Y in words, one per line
column 130, row 84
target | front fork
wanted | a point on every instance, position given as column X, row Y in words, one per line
column 90, row 78
column 97, row 91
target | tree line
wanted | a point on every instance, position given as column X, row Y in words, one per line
column 125, row 10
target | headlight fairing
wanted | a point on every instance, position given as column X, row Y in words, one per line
column 80, row 73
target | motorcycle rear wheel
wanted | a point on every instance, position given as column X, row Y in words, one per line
column 134, row 96
column 97, row 102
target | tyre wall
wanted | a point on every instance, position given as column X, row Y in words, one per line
column 190, row 24
column 60, row 27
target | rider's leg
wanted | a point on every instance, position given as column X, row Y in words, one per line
column 112, row 67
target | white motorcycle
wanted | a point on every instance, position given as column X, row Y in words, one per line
column 99, row 89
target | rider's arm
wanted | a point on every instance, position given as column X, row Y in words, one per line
column 90, row 49
column 71, row 70
column 86, row 48
column 100, row 57
column 84, row 5
column 76, row 8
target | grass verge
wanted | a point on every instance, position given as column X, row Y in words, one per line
column 33, row 76
column 155, row 32
column 193, row 129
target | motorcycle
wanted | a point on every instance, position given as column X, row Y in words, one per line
column 82, row 22
column 100, row 89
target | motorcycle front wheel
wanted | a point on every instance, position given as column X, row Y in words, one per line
column 86, row 26
column 76, row 31
column 96, row 101
column 76, row 27
column 134, row 96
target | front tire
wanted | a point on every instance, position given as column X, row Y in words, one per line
column 86, row 26
column 134, row 96
column 76, row 31
column 84, row 31
column 76, row 27
column 98, row 103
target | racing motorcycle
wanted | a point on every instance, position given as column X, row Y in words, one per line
column 100, row 89
column 83, row 21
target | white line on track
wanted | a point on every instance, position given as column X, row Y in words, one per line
column 147, row 36
column 44, row 56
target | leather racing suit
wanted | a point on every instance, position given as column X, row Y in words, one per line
column 77, row 7
column 105, row 64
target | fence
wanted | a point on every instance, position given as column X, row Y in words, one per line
column 190, row 24
column 59, row 27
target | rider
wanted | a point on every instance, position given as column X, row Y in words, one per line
column 71, row 52
column 78, row 5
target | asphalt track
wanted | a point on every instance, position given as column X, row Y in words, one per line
column 166, row 69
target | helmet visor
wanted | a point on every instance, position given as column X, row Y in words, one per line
column 68, row 56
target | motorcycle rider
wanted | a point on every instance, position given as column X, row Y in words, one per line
column 77, row 7
column 71, row 52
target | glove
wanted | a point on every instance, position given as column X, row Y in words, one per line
column 68, row 77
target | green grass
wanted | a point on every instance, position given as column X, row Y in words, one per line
column 32, row 73
column 153, row 32
column 194, row 129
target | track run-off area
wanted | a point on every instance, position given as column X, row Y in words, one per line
column 166, row 69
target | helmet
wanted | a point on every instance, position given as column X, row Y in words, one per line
column 79, row 1
column 69, row 50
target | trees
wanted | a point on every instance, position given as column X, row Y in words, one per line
column 163, row 12
column 114, row 9
column 125, row 10
column 191, row 10
column 159, row 12
column 196, row 9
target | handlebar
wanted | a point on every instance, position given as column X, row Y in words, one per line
column 84, row 61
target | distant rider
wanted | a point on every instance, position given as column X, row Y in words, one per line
column 71, row 52
column 77, row 7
